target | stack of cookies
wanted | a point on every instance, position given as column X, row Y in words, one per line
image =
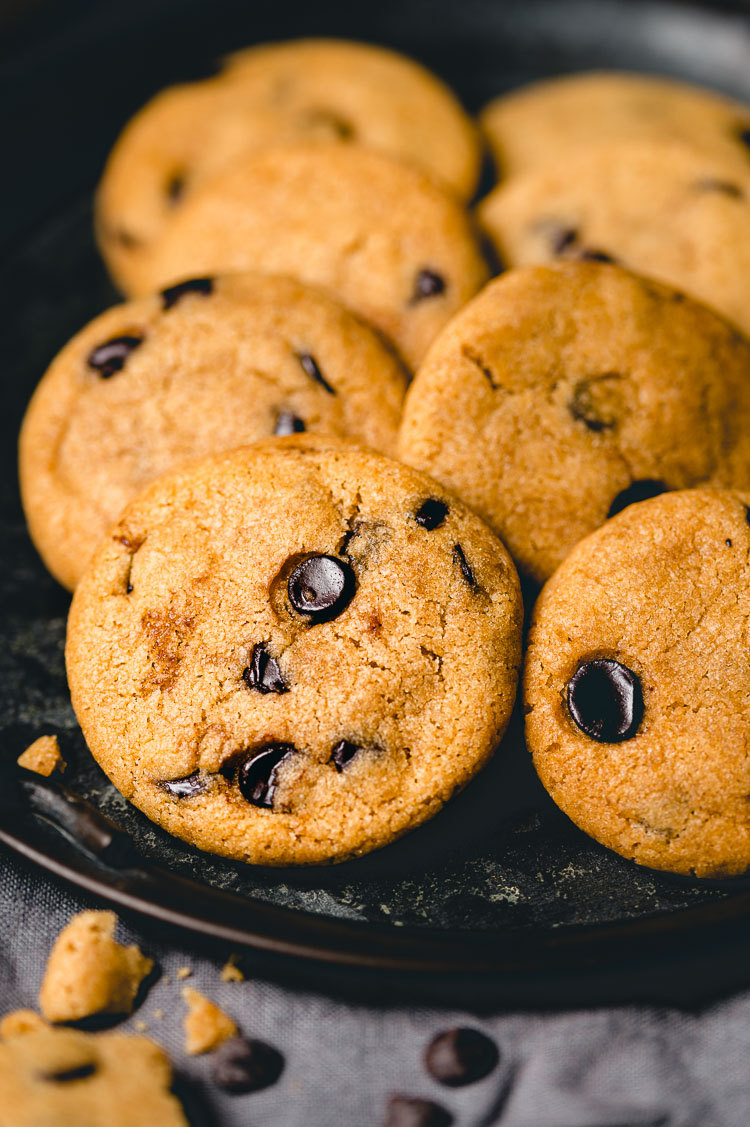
column 294, row 479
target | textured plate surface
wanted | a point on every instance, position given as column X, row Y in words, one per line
column 501, row 860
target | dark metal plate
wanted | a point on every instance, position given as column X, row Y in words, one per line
column 500, row 896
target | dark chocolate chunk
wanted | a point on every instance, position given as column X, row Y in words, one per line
column 263, row 672
column 288, row 423
column 431, row 513
column 605, row 700
column 460, row 559
column 461, row 1056
column 343, row 753
column 245, row 1065
column 186, row 787
column 725, row 187
column 637, row 491
column 321, row 587
column 592, row 405
column 111, row 357
column 175, row 187
column 257, row 776
column 410, row 1111
column 428, row 284
column 80, row 1072
column 728, row 543
column 310, row 365
column 172, row 294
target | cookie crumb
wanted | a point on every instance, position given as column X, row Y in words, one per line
column 184, row 972
column 89, row 972
column 158, row 1014
column 18, row 1022
column 141, row 1026
column 43, row 756
column 231, row 972
column 205, row 1025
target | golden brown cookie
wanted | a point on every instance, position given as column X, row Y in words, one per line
column 59, row 1077
column 542, row 124
column 663, row 209
column 154, row 383
column 562, row 393
column 635, row 683
column 295, row 652
column 314, row 89
column 380, row 235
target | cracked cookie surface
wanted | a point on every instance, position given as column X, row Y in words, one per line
column 636, row 688
column 561, row 394
column 379, row 235
column 153, row 383
column 664, row 209
column 284, row 655
column 323, row 90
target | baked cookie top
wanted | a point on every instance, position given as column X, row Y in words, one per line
column 308, row 89
column 541, row 124
column 562, row 393
column 57, row 1077
column 294, row 652
column 378, row 234
column 663, row 209
column 204, row 367
column 635, row 683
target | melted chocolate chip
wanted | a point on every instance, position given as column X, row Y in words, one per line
column 310, row 365
column 244, row 1065
column 111, row 357
column 431, row 513
column 460, row 559
column 257, row 776
column 80, row 1072
column 637, row 491
column 263, row 672
column 743, row 135
column 186, row 787
column 461, row 1056
column 725, row 187
column 343, row 753
column 428, row 284
column 605, row 700
column 172, row 294
column 175, row 187
column 589, row 254
column 288, row 423
column 591, row 402
column 321, row 587
column 409, row 1111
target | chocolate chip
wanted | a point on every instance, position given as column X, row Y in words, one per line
column 605, row 700
column 111, row 357
column 321, row 587
column 588, row 254
column 310, row 365
column 175, row 187
column 593, row 401
column 637, row 491
column 743, row 135
column 244, row 1065
column 461, row 1056
column 342, row 754
column 460, row 559
column 172, row 294
column 186, row 787
column 431, row 513
column 263, row 672
column 288, row 423
column 428, row 284
column 80, row 1072
column 409, row 1111
column 561, row 238
column 726, row 187
column 128, row 588
column 257, row 776
column 728, row 543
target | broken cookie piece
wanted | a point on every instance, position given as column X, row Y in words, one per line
column 205, row 1025
column 43, row 756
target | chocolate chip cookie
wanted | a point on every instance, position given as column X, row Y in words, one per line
column 663, row 209
column 635, row 683
column 58, row 1077
column 205, row 366
column 378, row 234
column 563, row 393
column 294, row 652
column 300, row 90
column 540, row 125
